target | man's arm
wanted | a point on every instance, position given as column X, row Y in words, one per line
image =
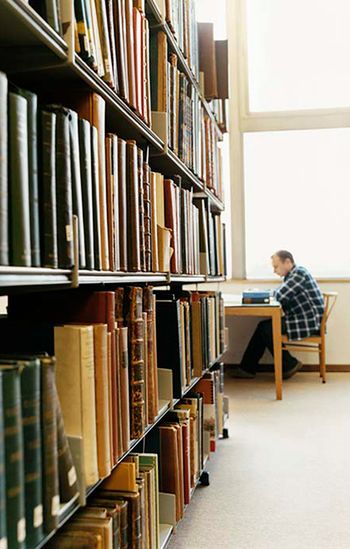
column 289, row 289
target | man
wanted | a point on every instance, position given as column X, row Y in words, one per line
column 303, row 307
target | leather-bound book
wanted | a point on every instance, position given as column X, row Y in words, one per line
column 113, row 510
column 152, row 393
column 102, row 382
column 118, row 509
column 77, row 184
column 133, row 212
column 134, row 515
column 110, row 8
column 96, row 199
column 147, row 207
column 63, row 188
column 74, row 350
column 118, row 449
column 20, row 246
column 130, row 48
column 158, row 62
column 4, row 233
column 86, row 187
column 147, row 73
column 136, row 346
column 47, row 189
column 221, row 59
column 32, row 118
column 76, row 540
column 170, row 480
column 137, row 20
column 141, row 208
column 154, row 225
column 122, row 195
column 124, row 387
column 122, row 58
column 14, row 456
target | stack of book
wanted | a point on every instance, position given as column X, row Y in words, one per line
column 190, row 333
column 113, row 39
column 124, row 512
column 36, row 467
column 105, row 347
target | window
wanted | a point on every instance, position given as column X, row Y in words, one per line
column 297, row 196
column 298, row 54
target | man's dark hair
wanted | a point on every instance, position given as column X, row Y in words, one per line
column 284, row 254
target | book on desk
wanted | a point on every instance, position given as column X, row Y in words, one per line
column 250, row 297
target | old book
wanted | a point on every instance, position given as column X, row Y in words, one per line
column 77, row 184
column 113, row 200
column 152, row 385
column 19, row 181
column 122, row 478
column 14, row 456
column 96, row 199
column 83, row 45
column 112, row 510
column 102, row 400
column 130, row 48
column 99, row 526
column 64, row 199
column 133, row 212
column 85, row 154
column 133, row 511
column 4, row 232
column 118, row 509
column 170, row 476
column 122, row 194
column 145, row 367
column 47, row 188
column 171, row 221
column 124, row 387
column 154, row 227
column 147, row 74
column 221, row 61
column 76, row 539
column 184, row 420
column 74, row 350
column 158, row 63
column 110, row 8
column 102, row 20
column 32, row 115
column 149, row 462
column 147, row 216
column 96, row 38
column 122, row 58
column 3, row 530
column 137, row 21
column 136, row 377
column 140, row 173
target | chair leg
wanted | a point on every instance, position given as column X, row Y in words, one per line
column 323, row 362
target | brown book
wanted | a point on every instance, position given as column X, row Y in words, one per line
column 221, row 51
column 138, row 58
column 122, row 58
column 123, row 227
column 102, row 22
column 170, row 477
column 110, row 7
column 113, row 510
column 171, row 221
column 119, row 307
column 91, row 107
column 152, row 395
column 76, row 540
column 184, row 419
column 197, row 338
column 155, row 359
column 133, row 214
column 147, row 75
column 147, row 207
column 207, row 59
column 130, row 48
column 112, row 200
column 140, row 172
column 134, row 514
column 136, row 345
column 153, row 188
column 113, row 450
column 124, row 387
column 102, row 382
column 98, row 526
column 145, row 367
column 119, row 420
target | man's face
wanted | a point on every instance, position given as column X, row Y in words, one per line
column 281, row 268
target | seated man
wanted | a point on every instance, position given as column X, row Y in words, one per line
column 302, row 304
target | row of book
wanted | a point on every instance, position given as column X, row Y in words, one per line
column 50, row 11
column 190, row 333
column 220, row 109
column 113, row 38
column 37, row 473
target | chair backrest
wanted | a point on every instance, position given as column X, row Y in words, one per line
column 329, row 301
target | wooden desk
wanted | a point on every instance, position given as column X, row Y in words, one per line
column 234, row 307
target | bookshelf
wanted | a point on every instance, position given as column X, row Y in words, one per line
column 35, row 57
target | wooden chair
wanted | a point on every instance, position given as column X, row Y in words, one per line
column 317, row 343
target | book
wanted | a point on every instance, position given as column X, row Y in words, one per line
column 85, row 154
column 3, row 530
column 222, row 63
column 133, row 213
column 74, row 351
column 207, row 59
column 255, row 296
column 130, row 48
column 122, row 195
column 140, row 173
column 124, row 387
column 4, row 232
column 158, row 64
column 96, row 199
column 77, row 194
column 14, row 456
column 19, row 181
column 122, row 478
column 170, row 472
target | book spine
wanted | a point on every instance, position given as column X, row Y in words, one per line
column 124, row 387
column 136, row 346
column 14, row 458
column 122, row 205
column 133, row 214
column 51, row 498
column 3, row 531
column 152, row 400
column 115, row 205
column 30, row 388
column 86, row 184
column 77, row 184
column 48, row 211
column 141, row 209
column 68, row 480
column 147, row 206
column 4, row 236
column 19, row 181
column 96, row 199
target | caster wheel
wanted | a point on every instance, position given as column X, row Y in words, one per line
column 204, row 478
column 225, row 433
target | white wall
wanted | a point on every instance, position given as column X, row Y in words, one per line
column 338, row 329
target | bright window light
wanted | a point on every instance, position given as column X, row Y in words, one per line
column 298, row 54
column 297, row 196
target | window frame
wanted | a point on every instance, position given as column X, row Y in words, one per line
column 242, row 120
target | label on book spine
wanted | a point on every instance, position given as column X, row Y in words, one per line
column 3, row 543
column 69, row 233
column 38, row 516
column 55, row 505
column 21, row 530
column 72, row 476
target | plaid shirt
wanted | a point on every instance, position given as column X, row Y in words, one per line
column 302, row 303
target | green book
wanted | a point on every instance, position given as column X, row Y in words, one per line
column 86, row 185
column 32, row 120
column 19, row 181
column 51, row 498
column 3, row 534
column 64, row 199
column 76, row 184
column 47, row 187
column 14, row 462
column 4, row 236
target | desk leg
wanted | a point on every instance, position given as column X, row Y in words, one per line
column 277, row 351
